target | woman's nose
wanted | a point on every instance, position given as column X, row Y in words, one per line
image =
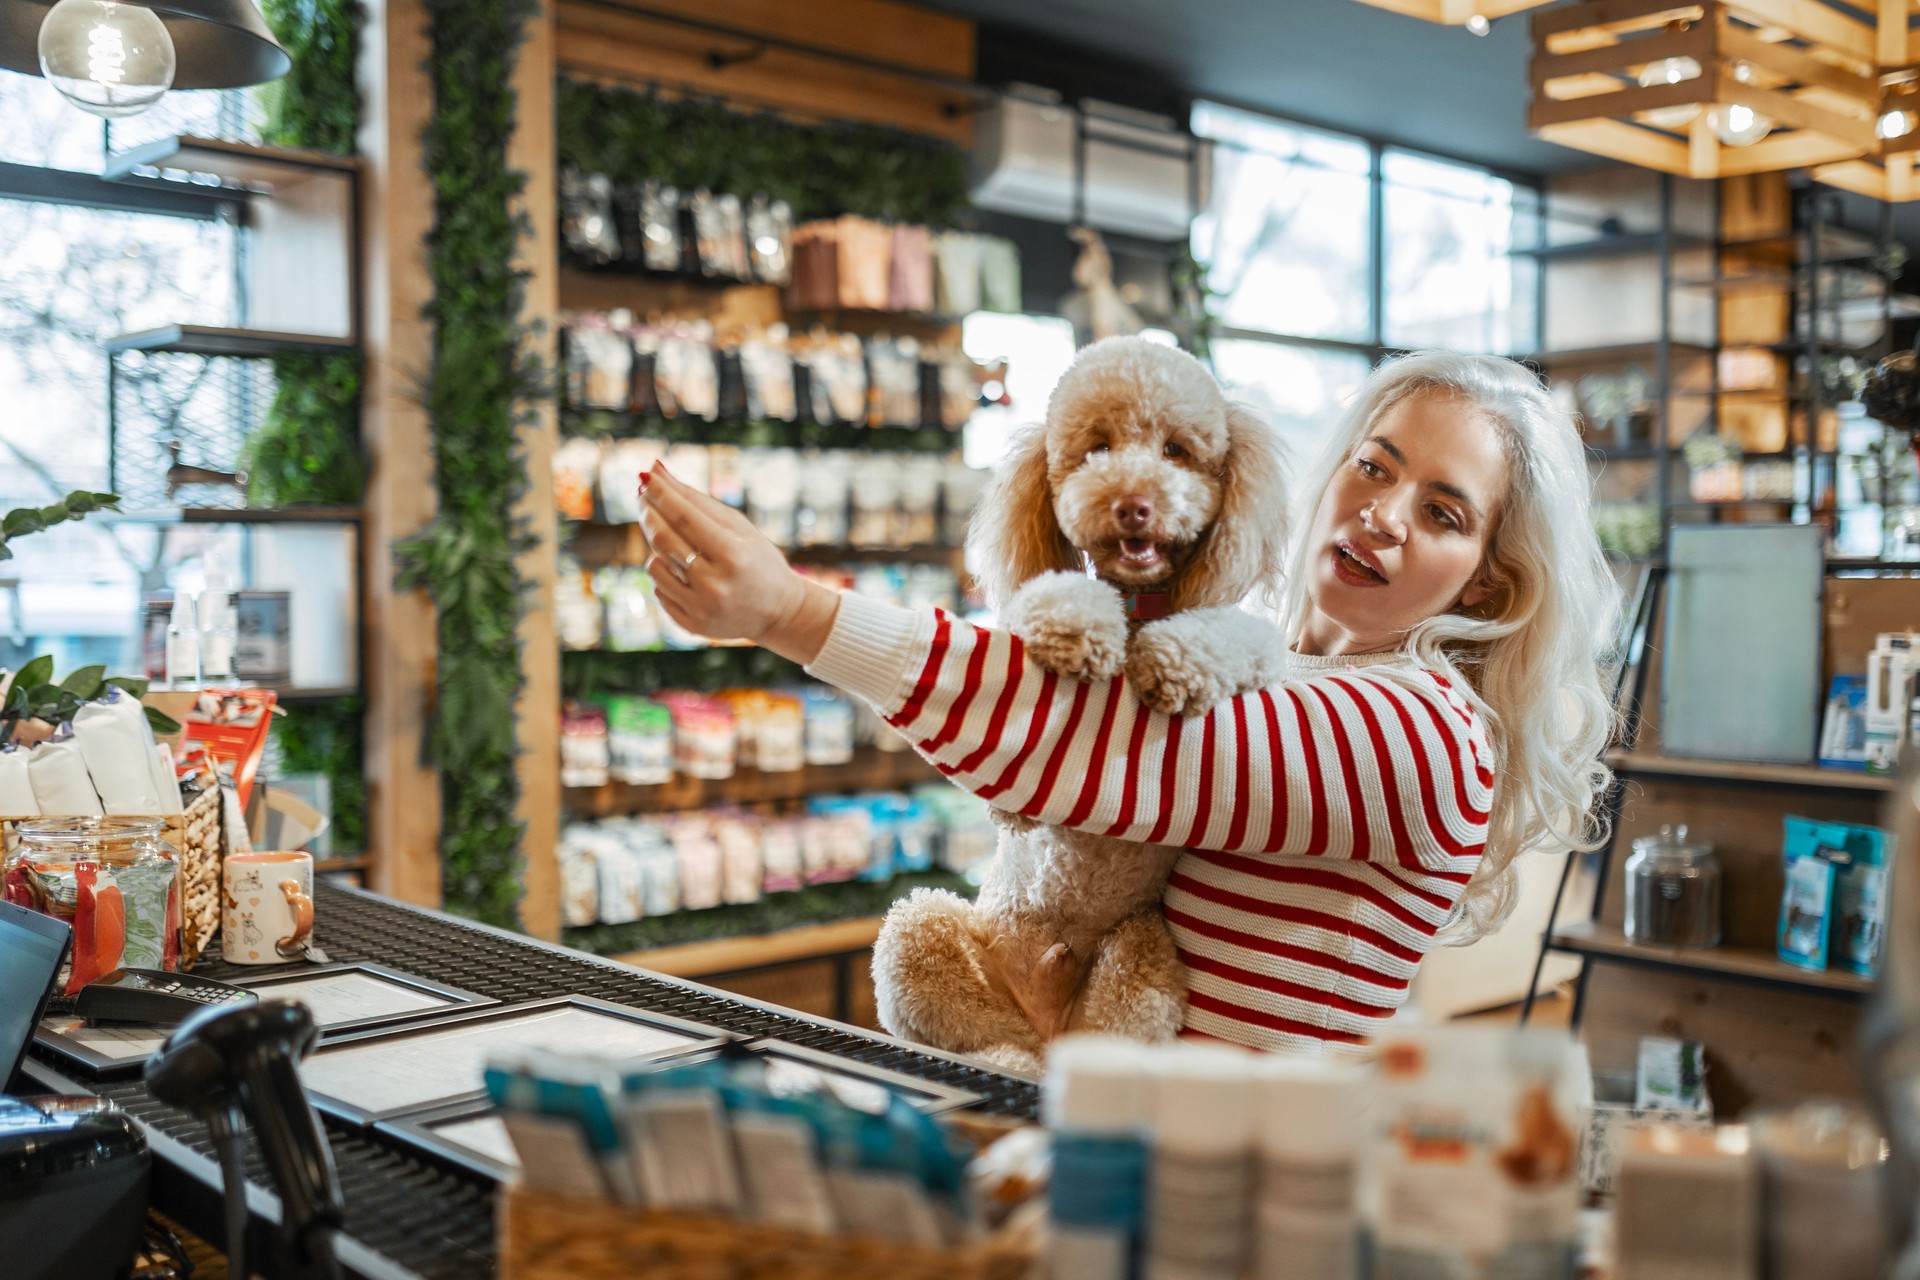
column 1384, row 519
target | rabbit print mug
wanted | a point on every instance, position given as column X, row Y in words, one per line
column 267, row 907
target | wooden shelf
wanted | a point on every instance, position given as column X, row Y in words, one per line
column 211, row 340
column 870, row 770
column 242, row 165
column 1614, row 246
column 1771, row 775
column 759, row 950
column 1746, row 964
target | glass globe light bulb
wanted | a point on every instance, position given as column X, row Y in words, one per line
column 1894, row 124
column 1479, row 24
column 1738, row 125
column 1670, row 71
column 107, row 58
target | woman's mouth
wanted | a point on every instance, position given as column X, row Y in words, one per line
column 1355, row 567
column 1139, row 553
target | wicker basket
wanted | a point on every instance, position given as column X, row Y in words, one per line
column 547, row 1237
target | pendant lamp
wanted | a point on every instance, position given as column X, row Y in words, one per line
column 217, row 44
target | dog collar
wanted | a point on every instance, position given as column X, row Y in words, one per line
column 1146, row 606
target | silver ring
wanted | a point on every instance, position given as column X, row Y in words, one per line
column 687, row 563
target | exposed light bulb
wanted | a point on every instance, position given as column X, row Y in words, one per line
column 107, row 58
column 1893, row 124
column 1479, row 25
column 1738, row 125
column 1670, row 71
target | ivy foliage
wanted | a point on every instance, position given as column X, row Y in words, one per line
column 479, row 392
column 326, row 738
column 590, row 673
column 33, row 695
column 316, row 104
column 21, row 521
column 822, row 171
column 307, row 448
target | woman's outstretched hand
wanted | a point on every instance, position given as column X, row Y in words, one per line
column 718, row 576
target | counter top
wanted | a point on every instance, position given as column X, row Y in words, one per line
column 407, row 1214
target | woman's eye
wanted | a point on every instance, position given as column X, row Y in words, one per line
column 1368, row 469
column 1173, row 449
column 1444, row 517
column 1099, row 448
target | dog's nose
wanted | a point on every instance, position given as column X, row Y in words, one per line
column 1132, row 513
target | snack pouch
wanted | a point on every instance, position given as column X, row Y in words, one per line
column 1806, row 902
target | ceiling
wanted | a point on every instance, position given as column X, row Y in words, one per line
column 1335, row 62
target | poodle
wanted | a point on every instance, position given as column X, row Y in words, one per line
column 1119, row 535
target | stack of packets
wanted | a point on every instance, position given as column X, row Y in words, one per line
column 105, row 762
column 714, row 1137
column 1833, row 908
column 623, row 869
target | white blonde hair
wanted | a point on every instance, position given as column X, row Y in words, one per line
column 1529, row 654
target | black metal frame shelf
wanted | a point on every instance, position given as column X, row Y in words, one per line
column 222, row 340
column 1626, row 244
column 1593, row 941
column 241, row 167
column 1624, row 351
column 237, row 515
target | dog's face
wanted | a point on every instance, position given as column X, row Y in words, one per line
column 1143, row 468
column 1136, row 453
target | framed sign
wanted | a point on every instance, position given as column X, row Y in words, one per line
column 343, row 997
column 794, row 1069
column 356, row 997
column 365, row 1077
column 468, row 1135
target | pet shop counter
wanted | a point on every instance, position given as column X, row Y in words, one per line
column 411, row 1003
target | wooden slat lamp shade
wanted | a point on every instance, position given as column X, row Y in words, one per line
column 1455, row 13
column 1807, row 67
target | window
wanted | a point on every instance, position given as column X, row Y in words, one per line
column 1305, row 229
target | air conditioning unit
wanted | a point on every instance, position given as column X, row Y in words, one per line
column 1143, row 175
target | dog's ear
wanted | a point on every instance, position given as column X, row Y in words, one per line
column 1014, row 535
column 1244, row 550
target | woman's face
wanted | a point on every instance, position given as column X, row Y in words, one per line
column 1401, row 532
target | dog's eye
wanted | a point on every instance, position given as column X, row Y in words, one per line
column 1174, row 449
column 1099, row 448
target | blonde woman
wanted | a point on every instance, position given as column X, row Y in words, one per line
column 1445, row 711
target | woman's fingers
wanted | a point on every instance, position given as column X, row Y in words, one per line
column 688, row 512
column 664, row 541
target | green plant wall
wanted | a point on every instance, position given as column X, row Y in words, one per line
column 479, row 390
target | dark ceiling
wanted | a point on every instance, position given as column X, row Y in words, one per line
column 1336, row 62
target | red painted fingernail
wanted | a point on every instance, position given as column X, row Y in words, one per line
column 646, row 478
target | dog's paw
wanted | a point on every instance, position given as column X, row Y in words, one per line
column 1169, row 676
column 1010, row 822
column 1070, row 625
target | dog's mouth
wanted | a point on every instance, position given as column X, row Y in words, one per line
column 1141, row 554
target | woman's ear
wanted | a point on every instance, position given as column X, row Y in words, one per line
column 1245, row 548
column 1014, row 536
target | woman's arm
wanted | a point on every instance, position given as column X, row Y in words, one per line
column 1389, row 767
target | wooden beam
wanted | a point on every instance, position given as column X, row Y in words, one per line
column 1798, row 150
column 1797, row 66
column 1695, row 42
column 1620, row 15
column 1623, row 102
column 1848, row 133
column 1815, row 20
column 1890, row 32
column 396, row 210
column 531, row 150
column 1622, row 142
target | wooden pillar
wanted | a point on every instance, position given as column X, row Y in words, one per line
column 396, row 212
column 532, row 152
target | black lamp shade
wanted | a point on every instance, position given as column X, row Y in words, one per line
column 217, row 44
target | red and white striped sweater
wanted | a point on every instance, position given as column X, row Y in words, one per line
column 1331, row 822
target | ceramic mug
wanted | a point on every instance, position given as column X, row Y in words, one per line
column 267, row 907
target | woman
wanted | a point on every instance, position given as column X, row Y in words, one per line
column 1446, row 712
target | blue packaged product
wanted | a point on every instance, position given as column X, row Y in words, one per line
column 1806, row 902
column 1860, row 902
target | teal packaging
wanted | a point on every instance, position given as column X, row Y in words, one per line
column 1813, row 850
column 1860, row 902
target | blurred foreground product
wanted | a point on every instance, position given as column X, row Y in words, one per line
column 1094, row 1100
column 1824, row 1179
column 1890, row 1035
column 1200, row 1180
column 1310, row 1115
column 1687, row 1203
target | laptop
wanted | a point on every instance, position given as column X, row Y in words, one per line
column 32, row 949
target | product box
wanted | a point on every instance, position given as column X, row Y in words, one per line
column 1835, row 902
column 1806, row 901
column 1843, row 731
column 263, row 637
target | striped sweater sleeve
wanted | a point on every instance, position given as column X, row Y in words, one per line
column 1386, row 763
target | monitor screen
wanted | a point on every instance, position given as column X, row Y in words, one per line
column 31, row 949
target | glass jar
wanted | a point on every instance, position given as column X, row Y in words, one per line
column 1673, row 891
column 113, row 879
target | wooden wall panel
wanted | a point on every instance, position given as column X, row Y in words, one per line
column 403, row 794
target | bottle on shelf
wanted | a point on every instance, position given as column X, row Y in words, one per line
column 183, row 642
column 217, row 629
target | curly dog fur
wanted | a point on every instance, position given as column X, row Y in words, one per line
column 1142, row 479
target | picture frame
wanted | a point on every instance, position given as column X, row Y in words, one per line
column 116, row 1051
column 385, row 1073
column 468, row 1135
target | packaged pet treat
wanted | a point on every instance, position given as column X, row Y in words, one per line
column 586, row 218
column 910, row 279
column 967, row 837
column 661, row 863
column 1812, row 852
column 916, row 520
column 959, row 385
column 773, row 491
column 815, row 279
column 576, row 468
column 769, row 238
column 726, row 474
column 956, row 273
column 61, row 784
column 718, row 229
column 779, row 736
column 781, row 865
column 620, row 468
column 837, row 376
column 621, row 880
column 704, row 737
column 767, row 367
column 827, row 727
column 732, row 396
column 740, row 871
column 960, row 490
column 999, row 274
column 893, row 382
column 579, row 879
column 886, row 582
column 686, row 374
column 866, row 263
column 87, row 896
column 1474, row 1152
column 599, row 362
column 692, row 464
column 633, row 620
column 576, row 609
column 700, row 863
column 583, row 746
column 915, row 836
column 820, row 518
column 843, row 833
column 930, row 587
column 639, row 741
column 875, row 489
column 644, row 390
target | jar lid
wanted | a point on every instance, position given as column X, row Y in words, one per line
column 1672, row 842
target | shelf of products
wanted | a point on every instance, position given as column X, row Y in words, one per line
column 757, row 950
column 1751, row 964
column 217, row 340
column 1770, row 775
column 871, row 769
column 242, row 165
